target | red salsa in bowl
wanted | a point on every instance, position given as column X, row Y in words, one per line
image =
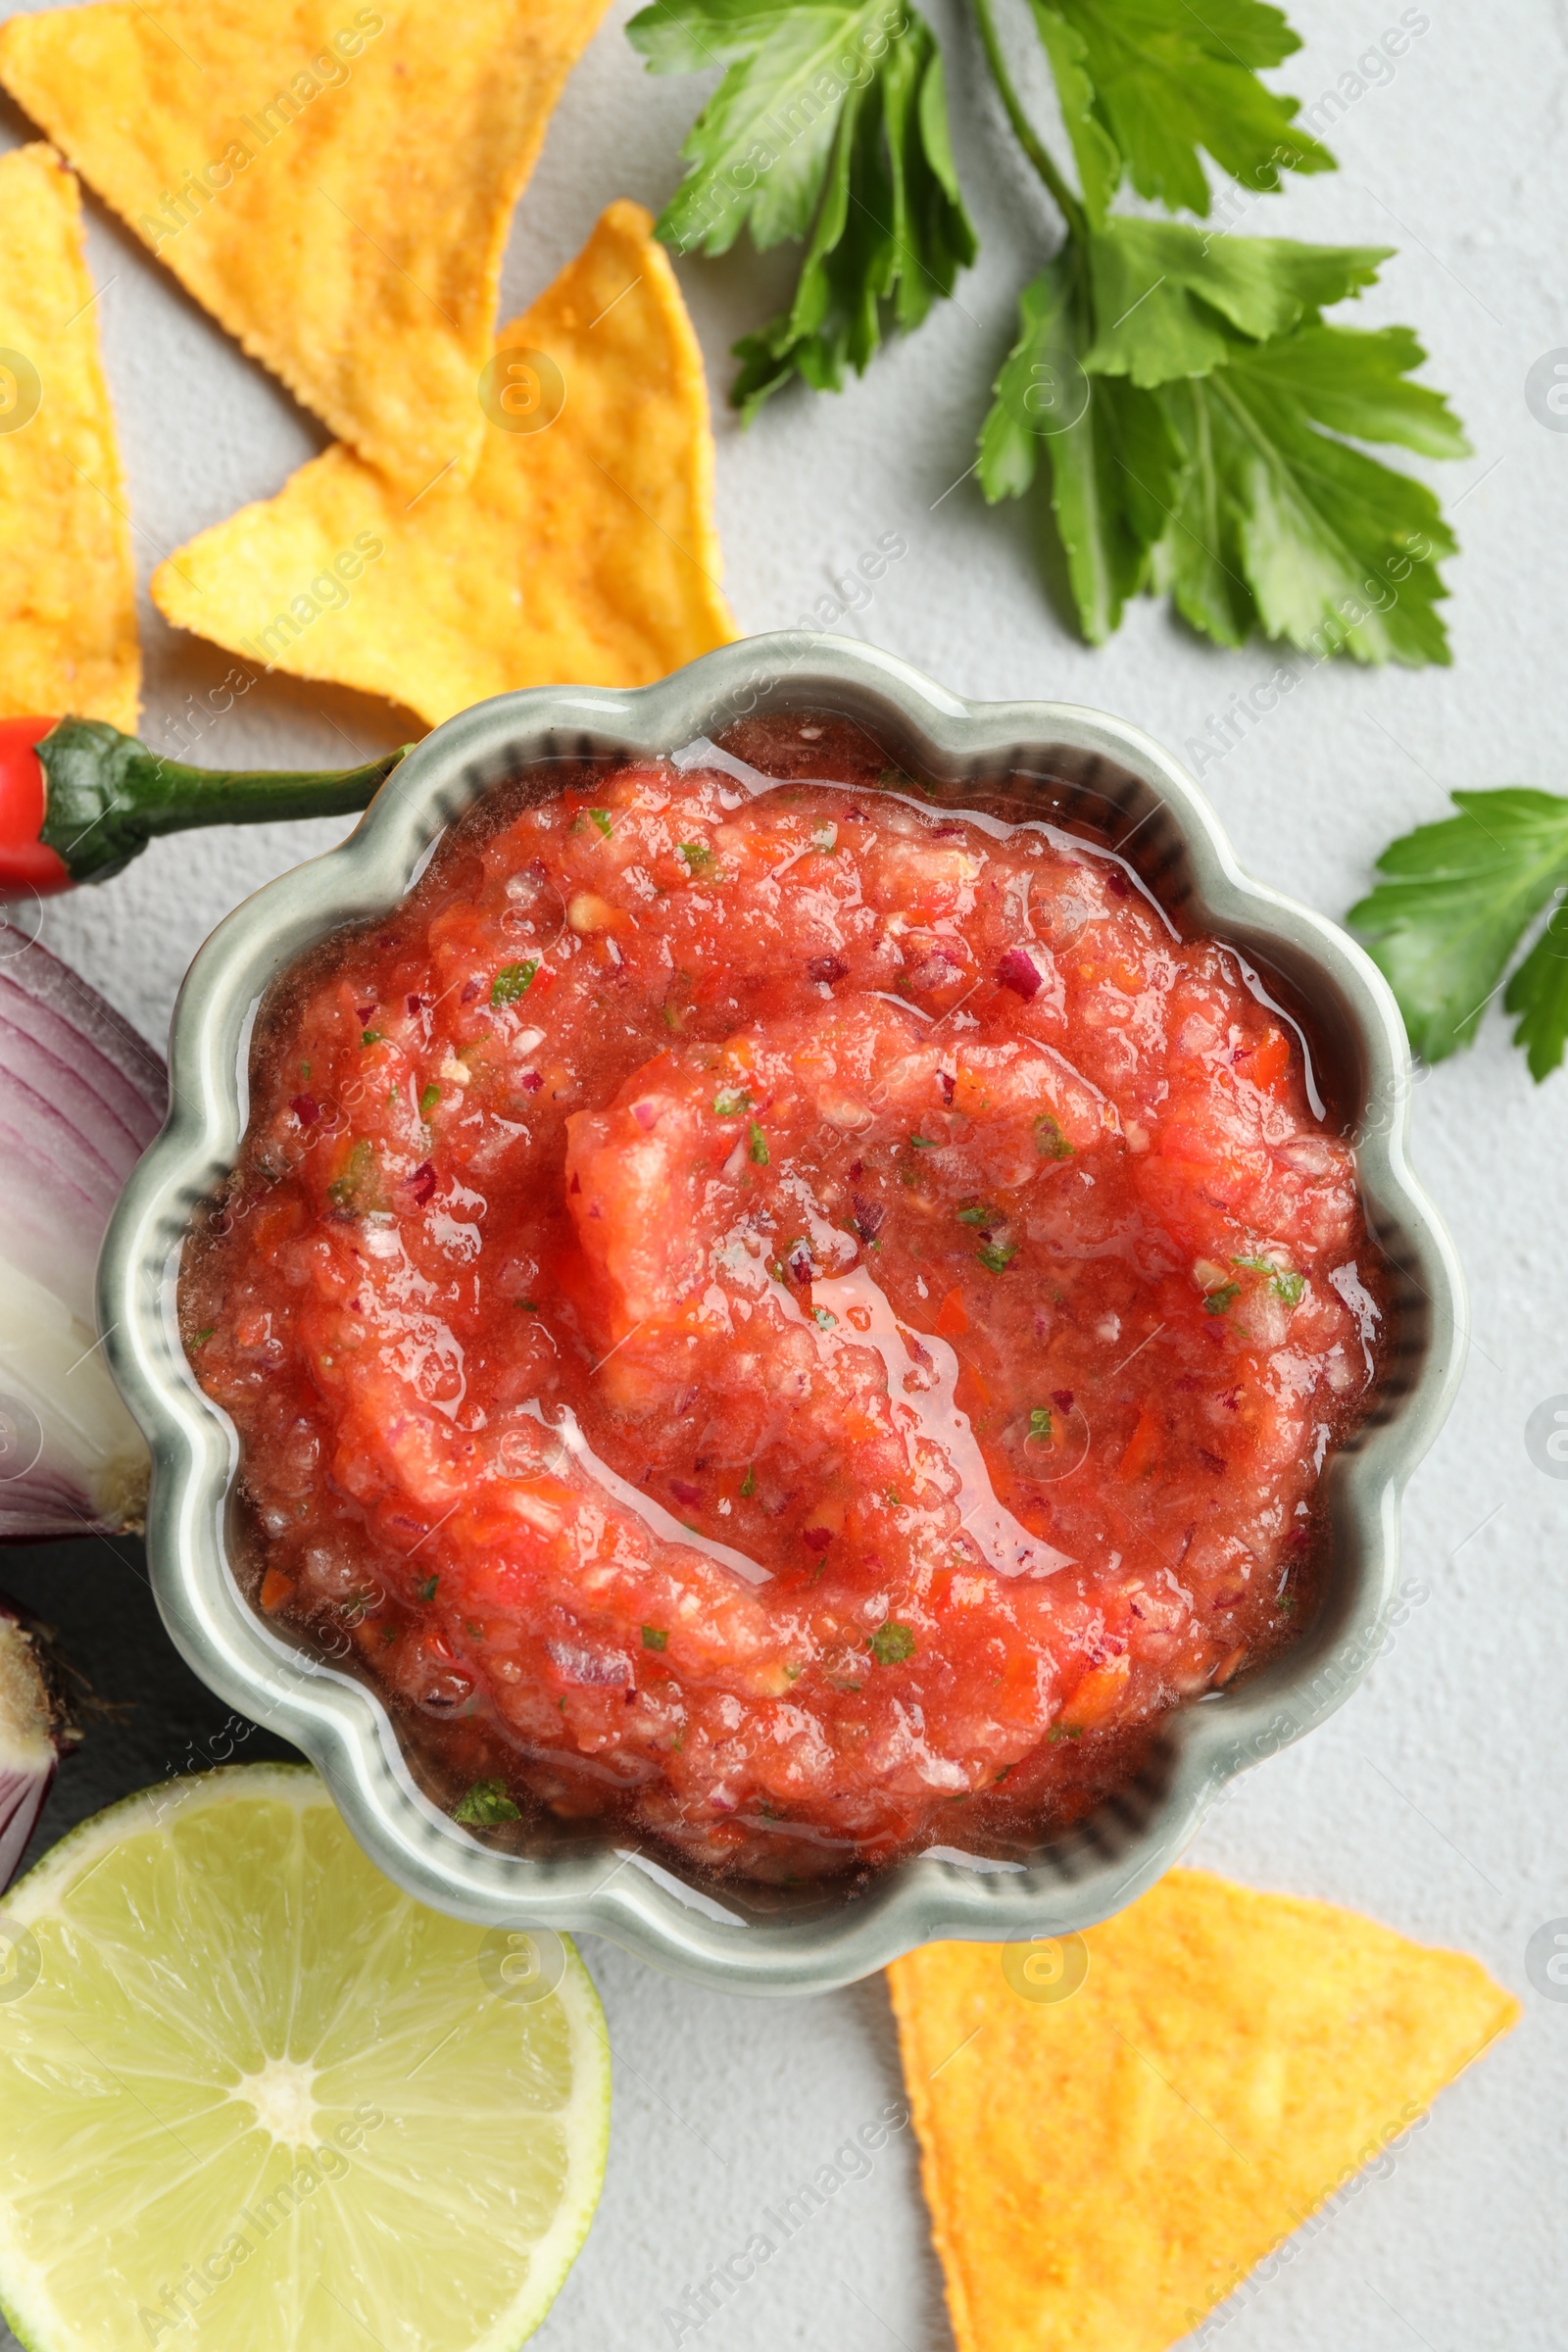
column 792, row 1321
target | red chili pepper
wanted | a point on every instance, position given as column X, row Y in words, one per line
column 27, row 863
column 78, row 800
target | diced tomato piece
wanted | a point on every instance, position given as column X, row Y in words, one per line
column 1143, row 1449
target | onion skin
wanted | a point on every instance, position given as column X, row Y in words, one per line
column 81, row 1096
column 37, row 1727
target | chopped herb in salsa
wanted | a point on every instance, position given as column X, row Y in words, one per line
column 484, row 1804
column 890, row 1644
column 513, row 981
column 997, row 1256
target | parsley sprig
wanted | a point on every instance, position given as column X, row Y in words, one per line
column 1174, row 395
column 1457, row 901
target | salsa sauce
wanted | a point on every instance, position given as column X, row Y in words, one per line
column 799, row 1320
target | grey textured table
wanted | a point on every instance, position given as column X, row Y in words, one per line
column 1435, row 1800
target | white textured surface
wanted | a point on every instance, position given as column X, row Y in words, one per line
column 1435, row 1800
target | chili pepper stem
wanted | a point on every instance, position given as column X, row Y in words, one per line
column 105, row 795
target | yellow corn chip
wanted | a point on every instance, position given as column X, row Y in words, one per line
column 1103, row 2169
column 68, row 599
column 333, row 182
column 584, row 551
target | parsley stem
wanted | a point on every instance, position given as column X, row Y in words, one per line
column 1061, row 195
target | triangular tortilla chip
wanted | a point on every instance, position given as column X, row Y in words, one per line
column 1103, row 2169
column 68, row 590
column 582, row 552
column 334, row 183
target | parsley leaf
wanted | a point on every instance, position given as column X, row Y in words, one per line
column 1352, row 380
column 1114, row 479
column 1199, row 562
column 1538, row 994
column 1169, row 296
column 1094, row 150
column 759, row 147
column 1323, row 545
column 1457, row 901
column 1165, row 81
column 830, row 124
column 1038, row 387
column 892, row 231
column 1111, row 454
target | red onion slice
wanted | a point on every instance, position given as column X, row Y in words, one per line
column 81, row 1096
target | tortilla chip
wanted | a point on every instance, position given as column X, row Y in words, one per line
column 68, row 590
column 1103, row 2169
column 334, row 183
column 582, row 552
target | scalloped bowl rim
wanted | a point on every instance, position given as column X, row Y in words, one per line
column 603, row 1887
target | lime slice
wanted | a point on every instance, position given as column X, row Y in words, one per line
column 253, row 2099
